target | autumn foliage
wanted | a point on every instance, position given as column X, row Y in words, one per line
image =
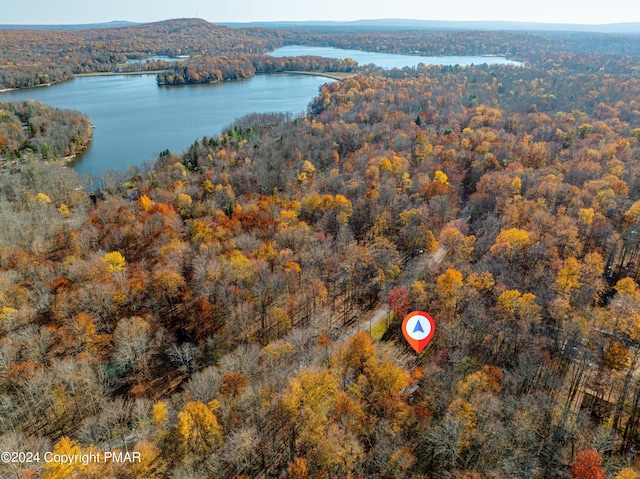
column 587, row 465
column 212, row 312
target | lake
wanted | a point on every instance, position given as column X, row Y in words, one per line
column 156, row 58
column 388, row 60
column 135, row 119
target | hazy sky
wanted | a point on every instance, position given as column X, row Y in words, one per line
column 551, row 11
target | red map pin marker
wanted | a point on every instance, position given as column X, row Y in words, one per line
column 418, row 328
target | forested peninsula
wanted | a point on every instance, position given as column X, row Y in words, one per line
column 33, row 130
column 235, row 311
column 238, row 67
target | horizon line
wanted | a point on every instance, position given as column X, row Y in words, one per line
column 385, row 19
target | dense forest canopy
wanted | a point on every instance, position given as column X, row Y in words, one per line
column 238, row 67
column 35, row 130
column 34, row 57
column 205, row 313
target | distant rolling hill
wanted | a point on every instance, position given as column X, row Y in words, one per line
column 83, row 26
column 381, row 24
column 396, row 24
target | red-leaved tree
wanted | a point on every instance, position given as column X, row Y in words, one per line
column 587, row 465
column 399, row 301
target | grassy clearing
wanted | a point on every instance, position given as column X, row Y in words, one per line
column 378, row 329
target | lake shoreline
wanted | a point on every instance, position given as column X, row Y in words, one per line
column 135, row 119
column 14, row 165
column 106, row 74
column 80, row 75
column 43, row 85
column 332, row 75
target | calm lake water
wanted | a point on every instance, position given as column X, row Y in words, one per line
column 387, row 60
column 157, row 58
column 135, row 119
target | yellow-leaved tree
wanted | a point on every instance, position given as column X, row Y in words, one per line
column 628, row 473
column 307, row 404
column 151, row 465
column 298, row 469
column 449, row 289
column 41, row 199
column 114, row 262
column 184, row 204
column 64, row 470
column 441, row 177
column 198, row 431
column 145, row 203
column 511, row 239
column 569, row 276
column 517, row 312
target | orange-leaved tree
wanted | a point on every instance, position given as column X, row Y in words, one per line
column 587, row 465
